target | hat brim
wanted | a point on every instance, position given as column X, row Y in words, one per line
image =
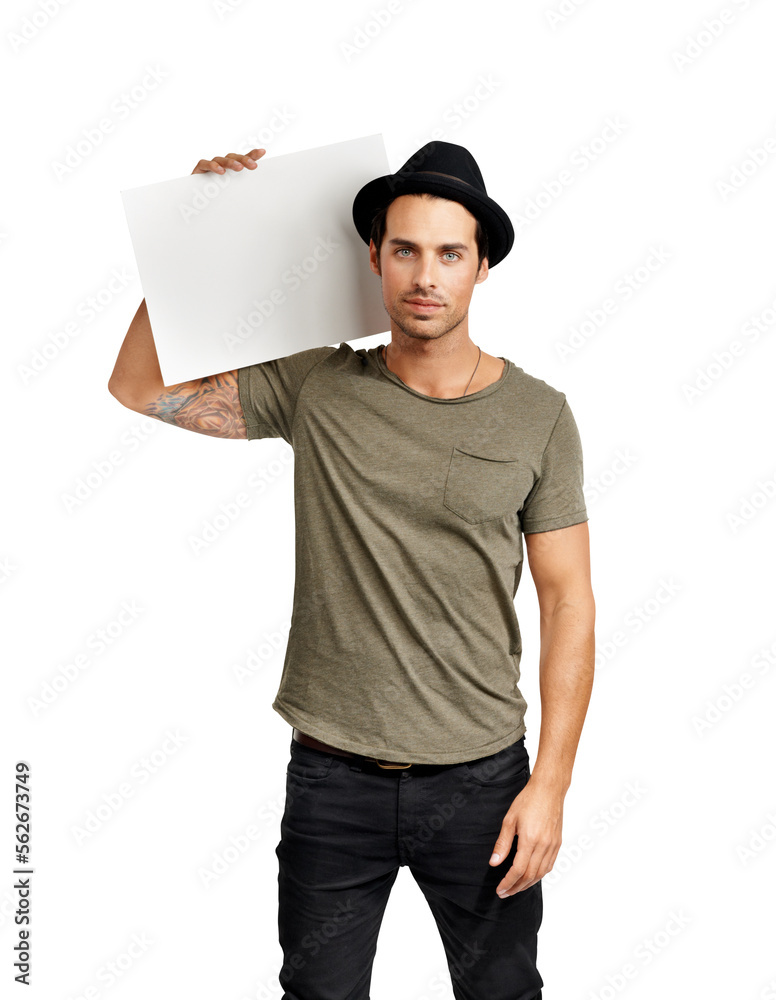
column 382, row 190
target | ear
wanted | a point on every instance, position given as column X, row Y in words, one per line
column 483, row 272
column 374, row 262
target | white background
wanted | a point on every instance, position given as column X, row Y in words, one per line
column 669, row 859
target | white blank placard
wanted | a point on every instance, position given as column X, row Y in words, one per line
column 252, row 265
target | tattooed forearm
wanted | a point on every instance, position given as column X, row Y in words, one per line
column 206, row 405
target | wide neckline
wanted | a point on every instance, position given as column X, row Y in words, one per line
column 376, row 353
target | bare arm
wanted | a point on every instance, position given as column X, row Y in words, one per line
column 560, row 566
column 207, row 405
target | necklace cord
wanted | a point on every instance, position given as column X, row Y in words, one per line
column 479, row 356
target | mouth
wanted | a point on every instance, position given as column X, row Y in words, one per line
column 424, row 305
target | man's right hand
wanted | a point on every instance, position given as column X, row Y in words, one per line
column 232, row 161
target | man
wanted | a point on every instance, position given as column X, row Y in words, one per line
column 418, row 469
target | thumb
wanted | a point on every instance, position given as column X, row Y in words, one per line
column 503, row 845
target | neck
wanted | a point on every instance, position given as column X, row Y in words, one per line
column 434, row 370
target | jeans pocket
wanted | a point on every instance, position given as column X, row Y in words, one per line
column 308, row 763
column 505, row 767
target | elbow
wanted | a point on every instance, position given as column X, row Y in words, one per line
column 583, row 606
column 115, row 390
column 119, row 393
column 577, row 605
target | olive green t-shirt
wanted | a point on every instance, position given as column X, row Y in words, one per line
column 404, row 641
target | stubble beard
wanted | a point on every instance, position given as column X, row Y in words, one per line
column 417, row 326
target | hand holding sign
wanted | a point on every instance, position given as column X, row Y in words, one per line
column 234, row 161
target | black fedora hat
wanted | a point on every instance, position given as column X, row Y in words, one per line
column 447, row 170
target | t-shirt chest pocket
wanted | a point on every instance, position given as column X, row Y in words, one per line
column 482, row 489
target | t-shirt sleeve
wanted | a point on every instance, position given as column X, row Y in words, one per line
column 269, row 391
column 557, row 498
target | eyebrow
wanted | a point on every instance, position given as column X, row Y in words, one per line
column 442, row 246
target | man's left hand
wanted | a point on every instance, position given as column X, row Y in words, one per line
column 536, row 818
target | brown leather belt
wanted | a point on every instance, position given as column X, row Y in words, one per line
column 310, row 741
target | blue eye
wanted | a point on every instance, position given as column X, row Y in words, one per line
column 448, row 253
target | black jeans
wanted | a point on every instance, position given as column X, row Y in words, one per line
column 347, row 828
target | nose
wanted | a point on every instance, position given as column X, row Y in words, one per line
column 424, row 272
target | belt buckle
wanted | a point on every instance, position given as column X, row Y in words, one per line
column 388, row 766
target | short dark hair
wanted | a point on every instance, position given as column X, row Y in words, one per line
column 377, row 234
